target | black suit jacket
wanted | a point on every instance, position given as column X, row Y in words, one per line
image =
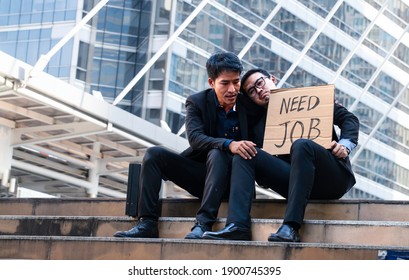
column 201, row 126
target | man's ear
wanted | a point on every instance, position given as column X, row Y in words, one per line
column 211, row 82
column 274, row 79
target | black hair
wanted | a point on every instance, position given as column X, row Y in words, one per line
column 223, row 61
column 249, row 73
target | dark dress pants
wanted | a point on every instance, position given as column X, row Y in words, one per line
column 207, row 181
column 314, row 173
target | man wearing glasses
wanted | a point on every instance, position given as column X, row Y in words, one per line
column 309, row 172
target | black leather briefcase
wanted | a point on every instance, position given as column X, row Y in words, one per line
column 132, row 193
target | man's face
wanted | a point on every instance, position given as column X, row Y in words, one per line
column 226, row 86
column 258, row 87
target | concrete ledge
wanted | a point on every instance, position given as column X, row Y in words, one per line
column 371, row 210
column 87, row 248
column 313, row 231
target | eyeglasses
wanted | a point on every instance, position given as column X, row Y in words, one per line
column 259, row 83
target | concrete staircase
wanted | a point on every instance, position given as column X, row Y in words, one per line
column 51, row 228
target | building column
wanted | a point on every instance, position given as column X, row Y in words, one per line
column 6, row 154
column 93, row 174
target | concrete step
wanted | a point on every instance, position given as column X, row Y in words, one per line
column 369, row 210
column 108, row 248
column 313, row 231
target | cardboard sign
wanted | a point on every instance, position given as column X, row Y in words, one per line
column 295, row 113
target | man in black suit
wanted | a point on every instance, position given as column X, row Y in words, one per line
column 215, row 130
column 308, row 172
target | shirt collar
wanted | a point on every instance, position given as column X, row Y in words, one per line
column 219, row 106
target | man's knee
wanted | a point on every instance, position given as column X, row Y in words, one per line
column 216, row 155
column 154, row 153
column 300, row 144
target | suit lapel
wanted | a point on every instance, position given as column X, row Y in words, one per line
column 241, row 110
column 211, row 111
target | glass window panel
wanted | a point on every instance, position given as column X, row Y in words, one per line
column 402, row 52
column 14, row 20
column 328, row 52
column 59, row 16
column 350, row 20
column 394, row 18
column 301, row 78
column 81, row 75
column 112, row 38
column 32, row 52
column 254, row 11
column 110, row 54
column 23, row 35
column 102, row 18
column 26, row 7
column 4, row 20
column 130, row 74
column 381, row 38
column 36, row 17
column 321, row 7
column 22, row 50
column 343, row 98
column 12, row 35
column 8, row 48
column 114, row 20
column 385, row 87
column 358, row 71
column 44, row 46
column 5, row 7
column 131, row 41
column 48, row 17
column 290, row 29
column 15, row 7
column 393, row 134
column 404, row 102
column 83, row 52
column 61, row 4
column 383, row 171
column 231, row 36
column 70, row 14
column 117, row 3
column 34, row 34
column 25, row 18
column 122, row 68
column 64, row 72
column 96, row 69
column 399, row 8
column 53, row 70
column 66, row 54
column 38, row 5
column 368, row 117
column 49, row 5
column 108, row 72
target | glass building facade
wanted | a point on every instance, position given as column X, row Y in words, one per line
column 361, row 46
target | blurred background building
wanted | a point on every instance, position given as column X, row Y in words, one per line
column 361, row 46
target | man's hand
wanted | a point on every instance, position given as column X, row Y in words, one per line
column 339, row 150
column 246, row 149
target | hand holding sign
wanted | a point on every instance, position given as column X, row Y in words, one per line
column 296, row 113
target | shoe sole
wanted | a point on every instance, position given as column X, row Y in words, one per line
column 188, row 236
column 125, row 236
column 278, row 239
column 221, row 238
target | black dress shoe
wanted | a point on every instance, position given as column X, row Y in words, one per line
column 285, row 233
column 197, row 231
column 230, row 232
column 145, row 228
